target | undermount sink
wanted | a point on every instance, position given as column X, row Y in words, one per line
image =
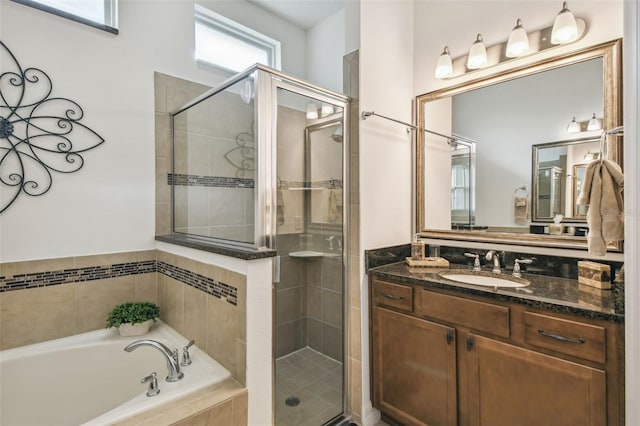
column 485, row 279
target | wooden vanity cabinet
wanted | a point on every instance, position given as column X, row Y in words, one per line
column 444, row 358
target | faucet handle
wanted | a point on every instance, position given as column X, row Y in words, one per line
column 516, row 266
column 152, row 379
column 186, row 358
column 476, row 262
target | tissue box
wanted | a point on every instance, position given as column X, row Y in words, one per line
column 594, row 274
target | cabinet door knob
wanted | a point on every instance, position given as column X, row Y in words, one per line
column 449, row 337
column 469, row 343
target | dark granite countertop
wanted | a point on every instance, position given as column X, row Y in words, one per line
column 544, row 292
column 231, row 251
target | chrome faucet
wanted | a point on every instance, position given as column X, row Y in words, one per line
column 172, row 357
column 517, row 271
column 495, row 256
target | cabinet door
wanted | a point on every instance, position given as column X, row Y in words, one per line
column 414, row 364
column 515, row 386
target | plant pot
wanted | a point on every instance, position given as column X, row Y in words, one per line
column 138, row 329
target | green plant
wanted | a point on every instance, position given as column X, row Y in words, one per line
column 132, row 312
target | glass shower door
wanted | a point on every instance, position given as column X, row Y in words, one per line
column 309, row 307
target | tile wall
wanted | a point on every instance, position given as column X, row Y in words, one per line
column 54, row 298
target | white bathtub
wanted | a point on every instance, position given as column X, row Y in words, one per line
column 89, row 379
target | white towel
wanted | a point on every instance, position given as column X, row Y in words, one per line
column 334, row 214
column 602, row 192
column 280, row 208
column 521, row 210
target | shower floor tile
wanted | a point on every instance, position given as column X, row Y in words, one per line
column 313, row 378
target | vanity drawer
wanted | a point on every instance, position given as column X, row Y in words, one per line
column 568, row 337
column 465, row 312
column 393, row 295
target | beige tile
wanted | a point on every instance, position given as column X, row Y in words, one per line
column 355, row 341
column 332, row 341
column 219, row 415
column 216, row 394
column 10, row 269
column 195, row 315
column 95, row 299
column 172, row 308
column 354, row 282
column 159, row 92
column 314, row 303
column 233, row 279
column 356, row 388
column 212, row 271
column 163, row 218
column 144, row 255
column 170, row 417
column 221, row 332
column 36, row 315
column 242, row 311
column 104, row 259
column 241, row 410
column 146, row 287
column 289, row 305
column 163, row 190
column 163, row 256
column 354, row 217
column 241, row 361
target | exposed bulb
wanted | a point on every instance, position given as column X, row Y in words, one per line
column 573, row 127
column 565, row 29
column 477, row 54
column 518, row 43
column 444, row 67
column 594, row 123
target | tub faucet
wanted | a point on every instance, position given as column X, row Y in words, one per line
column 172, row 357
column 495, row 256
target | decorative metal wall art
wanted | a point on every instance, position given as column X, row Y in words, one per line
column 39, row 133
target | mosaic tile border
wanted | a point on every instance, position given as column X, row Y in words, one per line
column 209, row 181
column 92, row 273
column 206, row 284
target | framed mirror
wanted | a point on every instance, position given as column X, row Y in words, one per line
column 558, row 172
column 507, row 114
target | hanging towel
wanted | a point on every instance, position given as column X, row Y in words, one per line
column 521, row 209
column 280, row 208
column 334, row 215
column 602, row 192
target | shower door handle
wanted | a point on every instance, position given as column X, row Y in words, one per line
column 276, row 269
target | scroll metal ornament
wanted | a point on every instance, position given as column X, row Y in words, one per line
column 39, row 134
column 243, row 156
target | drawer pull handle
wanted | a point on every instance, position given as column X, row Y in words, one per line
column 391, row 296
column 579, row 340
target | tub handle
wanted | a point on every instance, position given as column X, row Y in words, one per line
column 152, row 379
column 186, row 358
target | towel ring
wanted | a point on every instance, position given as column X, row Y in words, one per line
column 521, row 188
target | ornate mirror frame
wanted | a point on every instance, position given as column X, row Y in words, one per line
column 611, row 53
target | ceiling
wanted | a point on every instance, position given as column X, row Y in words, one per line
column 302, row 13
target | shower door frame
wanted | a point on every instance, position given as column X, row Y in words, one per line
column 269, row 82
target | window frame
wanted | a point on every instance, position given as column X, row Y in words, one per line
column 239, row 32
column 111, row 14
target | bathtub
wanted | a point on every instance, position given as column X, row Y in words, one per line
column 88, row 379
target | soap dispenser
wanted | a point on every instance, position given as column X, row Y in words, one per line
column 417, row 248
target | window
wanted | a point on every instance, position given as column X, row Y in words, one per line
column 230, row 46
column 101, row 14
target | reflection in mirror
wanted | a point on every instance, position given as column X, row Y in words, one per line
column 463, row 187
column 558, row 173
column 324, row 173
column 507, row 114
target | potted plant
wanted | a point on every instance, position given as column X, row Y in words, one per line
column 133, row 318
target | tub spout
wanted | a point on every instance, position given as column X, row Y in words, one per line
column 173, row 366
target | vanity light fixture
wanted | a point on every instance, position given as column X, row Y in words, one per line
column 573, row 127
column 312, row 111
column 594, row 123
column 565, row 29
column 518, row 43
column 444, row 67
column 477, row 54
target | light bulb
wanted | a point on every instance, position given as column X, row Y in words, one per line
column 326, row 109
column 477, row 54
column 594, row 123
column 444, row 67
column 565, row 29
column 518, row 43
column 573, row 127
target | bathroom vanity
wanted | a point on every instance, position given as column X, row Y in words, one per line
column 446, row 353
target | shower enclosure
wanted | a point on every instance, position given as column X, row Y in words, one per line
column 261, row 162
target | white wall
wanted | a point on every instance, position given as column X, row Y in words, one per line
column 108, row 206
column 386, row 75
column 632, row 208
column 326, row 45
